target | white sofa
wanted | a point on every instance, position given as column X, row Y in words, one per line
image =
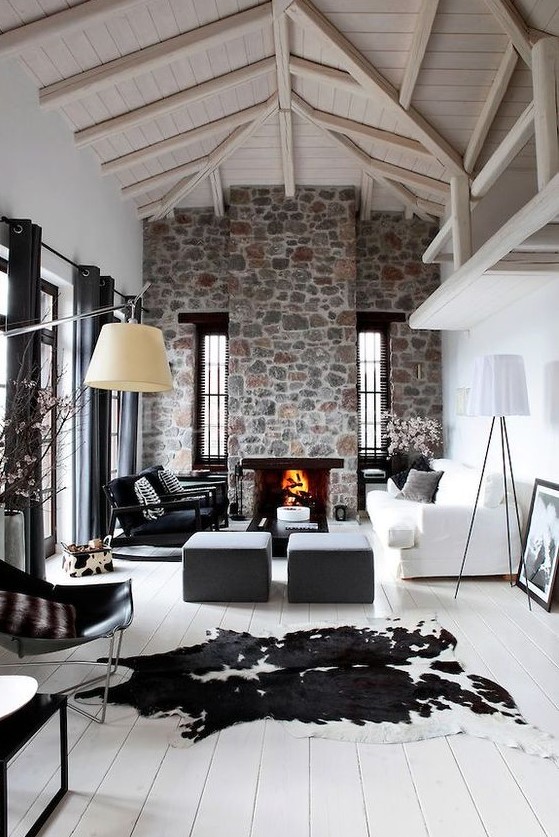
column 428, row 539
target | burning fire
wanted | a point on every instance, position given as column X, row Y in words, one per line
column 295, row 488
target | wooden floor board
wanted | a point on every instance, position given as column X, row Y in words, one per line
column 128, row 779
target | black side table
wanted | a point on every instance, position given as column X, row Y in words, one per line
column 15, row 731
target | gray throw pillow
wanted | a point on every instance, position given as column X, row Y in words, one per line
column 421, row 486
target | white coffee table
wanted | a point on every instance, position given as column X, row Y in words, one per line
column 15, row 691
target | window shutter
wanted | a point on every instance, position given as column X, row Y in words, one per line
column 373, row 389
column 210, row 448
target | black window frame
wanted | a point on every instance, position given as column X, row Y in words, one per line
column 214, row 325
column 370, row 456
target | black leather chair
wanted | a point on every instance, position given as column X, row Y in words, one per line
column 98, row 611
column 183, row 514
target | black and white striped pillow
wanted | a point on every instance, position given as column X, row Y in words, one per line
column 169, row 481
column 146, row 494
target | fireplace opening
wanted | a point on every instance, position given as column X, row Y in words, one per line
column 275, row 487
column 295, row 489
column 291, row 481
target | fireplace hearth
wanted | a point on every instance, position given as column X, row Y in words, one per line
column 302, row 481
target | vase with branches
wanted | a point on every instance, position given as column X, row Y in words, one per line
column 36, row 419
column 412, row 436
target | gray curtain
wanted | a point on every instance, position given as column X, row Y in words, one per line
column 128, row 430
column 92, row 436
column 24, row 356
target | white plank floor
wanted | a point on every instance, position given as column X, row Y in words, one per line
column 256, row 780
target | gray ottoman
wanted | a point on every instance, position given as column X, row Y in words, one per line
column 330, row 567
column 227, row 567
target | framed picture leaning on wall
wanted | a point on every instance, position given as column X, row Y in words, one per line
column 541, row 546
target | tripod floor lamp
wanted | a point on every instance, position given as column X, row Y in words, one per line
column 498, row 390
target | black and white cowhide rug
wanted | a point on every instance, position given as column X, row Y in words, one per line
column 390, row 681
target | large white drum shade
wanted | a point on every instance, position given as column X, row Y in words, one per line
column 499, row 387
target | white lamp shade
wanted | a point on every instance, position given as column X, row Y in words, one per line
column 499, row 387
column 129, row 357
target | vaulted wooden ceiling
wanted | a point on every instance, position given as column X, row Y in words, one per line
column 181, row 99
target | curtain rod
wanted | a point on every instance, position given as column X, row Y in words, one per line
column 83, row 271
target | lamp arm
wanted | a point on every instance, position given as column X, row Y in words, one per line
column 73, row 318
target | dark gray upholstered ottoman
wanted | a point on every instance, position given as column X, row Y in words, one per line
column 330, row 567
column 227, row 567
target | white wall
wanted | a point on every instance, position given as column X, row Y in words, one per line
column 44, row 178
column 529, row 327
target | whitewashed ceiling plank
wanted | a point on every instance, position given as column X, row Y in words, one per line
column 9, row 17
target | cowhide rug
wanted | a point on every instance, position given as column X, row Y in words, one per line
column 387, row 682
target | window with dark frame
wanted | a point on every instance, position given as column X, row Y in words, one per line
column 210, row 436
column 373, row 385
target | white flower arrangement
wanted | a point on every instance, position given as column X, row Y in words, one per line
column 412, row 434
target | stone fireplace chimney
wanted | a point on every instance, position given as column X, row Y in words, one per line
column 292, row 369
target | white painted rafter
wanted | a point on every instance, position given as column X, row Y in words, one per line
column 218, row 197
column 465, row 298
column 370, row 164
column 281, row 44
column 461, row 219
column 512, row 144
column 341, row 125
column 489, row 110
column 366, row 196
column 511, row 22
column 126, row 67
column 140, row 187
column 323, row 74
column 139, row 116
column 545, row 77
column 215, row 159
column 421, row 35
column 203, row 132
column 61, row 23
column 306, row 15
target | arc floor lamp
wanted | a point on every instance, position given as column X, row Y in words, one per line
column 128, row 356
column 498, row 390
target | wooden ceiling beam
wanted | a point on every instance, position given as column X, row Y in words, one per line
column 366, row 196
column 513, row 143
column 218, row 198
column 431, row 253
column 461, row 219
column 281, row 43
column 306, row 15
column 117, row 124
column 140, row 187
column 511, row 22
column 534, row 215
column 215, row 159
column 370, row 164
column 166, row 146
column 322, row 74
column 341, row 125
column 129, row 66
column 411, row 204
column 545, row 79
column 35, row 33
column 420, row 39
column 491, row 106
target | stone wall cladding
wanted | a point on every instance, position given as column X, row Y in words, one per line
column 185, row 258
column 392, row 277
column 291, row 272
column 292, row 372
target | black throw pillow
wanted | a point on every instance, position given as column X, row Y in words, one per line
column 420, row 463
